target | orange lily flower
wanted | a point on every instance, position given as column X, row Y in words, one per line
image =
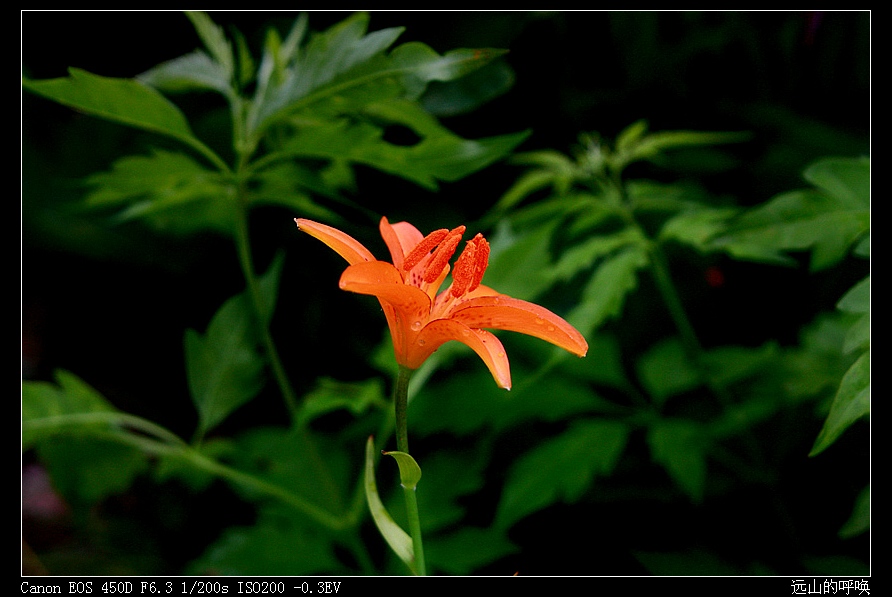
column 421, row 319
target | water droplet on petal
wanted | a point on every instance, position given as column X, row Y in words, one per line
column 421, row 342
column 540, row 321
column 416, row 325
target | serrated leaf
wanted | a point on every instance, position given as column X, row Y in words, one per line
column 561, row 469
column 125, row 101
column 169, row 190
column 439, row 155
column 344, row 69
column 696, row 227
column 327, row 59
column 828, row 220
column 84, row 465
column 665, row 370
column 654, row 143
column 46, row 407
column 604, row 294
column 330, row 395
column 585, row 253
column 852, row 402
column 214, row 39
column 680, row 447
column 190, row 72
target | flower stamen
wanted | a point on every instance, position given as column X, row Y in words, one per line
column 423, row 248
column 470, row 266
column 445, row 251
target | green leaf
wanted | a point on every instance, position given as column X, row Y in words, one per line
column 330, row 395
column 214, row 40
column 468, row 549
column 519, row 261
column 467, row 93
column 224, row 367
column 851, row 403
column 46, row 407
column 859, row 521
column 857, row 299
column 85, row 462
column 828, row 220
column 315, row 469
column 562, row 468
column 410, row 472
column 88, row 469
column 696, row 227
column 655, row 143
column 665, row 371
column 333, row 62
column 584, row 254
column 467, row 403
column 191, row 72
column 680, row 447
column 420, row 65
column 450, row 476
column 398, row 540
column 169, row 190
column 276, row 544
column 846, row 179
column 605, row 292
column 125, row 101
column 440, row 155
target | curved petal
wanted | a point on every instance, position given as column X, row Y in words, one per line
column 343, row 244
column 507, row 313
column 381, row 279
column 407, row 307
column 400, row 239
column 486, row 345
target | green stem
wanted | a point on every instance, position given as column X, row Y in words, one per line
column 401, row 407
column 307, row 446
column 401, row 403
column 243, row 244
column 673, row 303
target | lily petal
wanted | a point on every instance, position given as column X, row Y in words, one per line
column 485, row 344
column 400, row 238
column 343, row 244
column 507, row 313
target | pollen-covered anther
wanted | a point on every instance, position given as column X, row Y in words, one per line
column 440, row 259
column 423, row 248
column 470, row 266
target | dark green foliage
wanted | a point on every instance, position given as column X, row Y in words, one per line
column 728, row 322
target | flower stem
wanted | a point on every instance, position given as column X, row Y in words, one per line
column 401, row 403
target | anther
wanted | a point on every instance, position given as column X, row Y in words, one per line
column 442, row 255
column 423, row 248
column 470, row 266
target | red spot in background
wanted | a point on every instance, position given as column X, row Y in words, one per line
column 715, row 278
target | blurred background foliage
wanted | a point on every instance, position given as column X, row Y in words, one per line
column 609, row 448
